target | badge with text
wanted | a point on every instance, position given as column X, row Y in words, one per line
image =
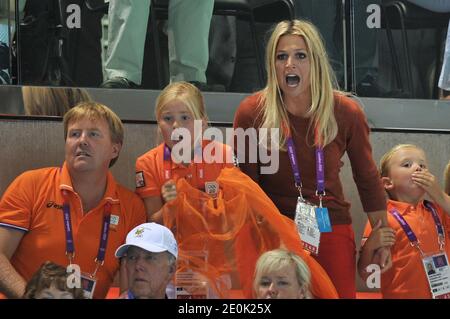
column 323, row 219
column 140, row 181
column 305, row 219
column 88, row 284
column 438, row 275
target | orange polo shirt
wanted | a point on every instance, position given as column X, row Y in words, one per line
column 150, row 168
column 407, row 279
column 33, row 204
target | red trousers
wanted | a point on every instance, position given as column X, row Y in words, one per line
column 337, row 255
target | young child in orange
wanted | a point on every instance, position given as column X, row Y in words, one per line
column 418, row 227
column 180, row 113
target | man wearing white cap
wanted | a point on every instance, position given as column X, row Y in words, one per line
column 150, row 253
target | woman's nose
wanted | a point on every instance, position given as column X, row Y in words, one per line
column 290, row 62
column 272, row 289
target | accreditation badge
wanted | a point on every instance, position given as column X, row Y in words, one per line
column 305, row 219
column 88, row 284
column 438, row 274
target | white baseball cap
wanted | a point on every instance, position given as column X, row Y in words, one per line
column 152, row 237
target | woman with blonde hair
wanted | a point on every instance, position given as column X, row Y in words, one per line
column 52, row 101
column 317, row 125
column 281, row 274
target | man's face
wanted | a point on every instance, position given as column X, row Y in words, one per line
column 89, row 147
column 148, row 273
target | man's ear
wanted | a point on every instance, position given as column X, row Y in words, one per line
column 387, row 183
column 116, row 149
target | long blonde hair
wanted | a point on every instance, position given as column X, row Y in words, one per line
column 447, row 178
column 52, row 101
column 322, row 80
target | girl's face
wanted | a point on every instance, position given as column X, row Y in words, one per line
column 53, row 293
column 175, row 114
column 280, row 284
column 293, row 65
column 402, row 165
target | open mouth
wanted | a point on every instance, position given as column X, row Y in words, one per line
column 292, row 80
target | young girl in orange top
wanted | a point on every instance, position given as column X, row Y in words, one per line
column 420, row 234
column 182, row 119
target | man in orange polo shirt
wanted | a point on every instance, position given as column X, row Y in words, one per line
column 75, row 214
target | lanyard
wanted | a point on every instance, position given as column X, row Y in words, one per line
column 70, row 248
column 320, row 168
column 200, row 166
column 410, row 233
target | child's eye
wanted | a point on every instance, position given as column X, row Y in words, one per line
column 185, row 117
column 423, row 166
column 167, row 118
column 407, row 164
column 94, row 134
column 283, row 283
column 264, row 283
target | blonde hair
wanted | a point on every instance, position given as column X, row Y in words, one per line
column 447, row 178
column 47, row 275
column 386, row 158
column 185, row 92
column 51, row 101
column 322, row 81
column 277, row 259
column 96, row 111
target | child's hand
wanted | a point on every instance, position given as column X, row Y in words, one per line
column 169, row 191
column 380, row 237
column 428, row 182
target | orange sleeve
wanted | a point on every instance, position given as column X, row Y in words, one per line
column 17, row 203
column 134, row 207
column 149, row 174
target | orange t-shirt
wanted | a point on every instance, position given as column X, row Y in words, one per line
column 150, row 169
column 33, row 204
column 407, row 278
